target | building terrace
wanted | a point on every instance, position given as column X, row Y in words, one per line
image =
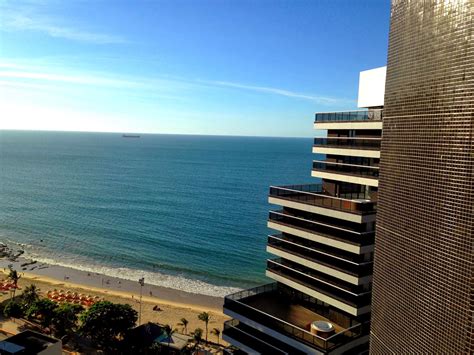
column 289, row 312
column 314, row 194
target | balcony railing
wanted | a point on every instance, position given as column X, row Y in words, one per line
column 336, row 289
column 236, row 303
column 327, row 230
column 246, row 335
column 371, row 172
column 313, row 194
column 348, row 116
column 324, row 248
column 348, row 143
column 349, row 267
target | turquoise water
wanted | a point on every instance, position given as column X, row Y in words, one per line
column 187, row 212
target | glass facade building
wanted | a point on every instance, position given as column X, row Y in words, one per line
column 423, row 289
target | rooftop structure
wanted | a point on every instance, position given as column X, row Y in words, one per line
column 29, row 342
column 147, row 334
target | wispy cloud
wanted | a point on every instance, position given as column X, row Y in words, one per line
column 65, row 78
column 26, row 18
column 324, row 100
column 10, row 71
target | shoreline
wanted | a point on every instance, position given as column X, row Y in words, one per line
column 66, row 277
column 173, row 305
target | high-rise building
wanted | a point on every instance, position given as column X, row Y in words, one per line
column 423, row 289
column 324, row 242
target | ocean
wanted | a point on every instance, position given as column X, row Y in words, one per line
column 186, row 212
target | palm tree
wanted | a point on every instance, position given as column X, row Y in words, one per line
column 197, row 335
column 14, row 276
column 169, row 333
column 184, row 323
column 30, row 294
column 205, row 317
column 216, row 332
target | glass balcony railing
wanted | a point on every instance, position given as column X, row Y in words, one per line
column 314, row 194
column 320, row 257
column 343, row 292
column 371, row 172
column 250, row 337
column 324, row 248
column 360, row 115
column 246, row 303
column 348, row 143
column 340, row 233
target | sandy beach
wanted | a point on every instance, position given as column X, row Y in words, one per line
column 174, row 304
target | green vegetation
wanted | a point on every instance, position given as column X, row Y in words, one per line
column 217, row 333
column 14, row 277
column 205, row 317
column 65, row 319
column 30, row 295
column 13, row 309
column 197, row 335
column 184, row 323
column 105, row 323
column 42, row 310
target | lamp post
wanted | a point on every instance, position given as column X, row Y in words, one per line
column 142, row 283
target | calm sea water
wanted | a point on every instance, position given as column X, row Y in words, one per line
column 187, row 212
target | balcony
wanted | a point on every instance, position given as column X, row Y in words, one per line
column 371, row 172
column 341, row 116
column 314, row 195
column 350, row 173
column 348, row 143
column 325, row 249
column 334, row 233
column 361, row 115
column 339, row 293
column 253, row 341
column 309, row 252
column 290, row 313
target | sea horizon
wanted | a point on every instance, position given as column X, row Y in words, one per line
column 309, row 136
column 187, row 212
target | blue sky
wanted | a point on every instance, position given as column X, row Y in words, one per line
column 231, row 67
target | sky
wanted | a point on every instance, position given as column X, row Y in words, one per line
column 224, row 67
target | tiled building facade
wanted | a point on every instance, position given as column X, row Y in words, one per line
column 423, row 289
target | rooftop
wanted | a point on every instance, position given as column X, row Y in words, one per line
column 291, row 313
column 27, row 342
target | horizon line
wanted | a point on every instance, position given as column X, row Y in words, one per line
column 154, row 133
